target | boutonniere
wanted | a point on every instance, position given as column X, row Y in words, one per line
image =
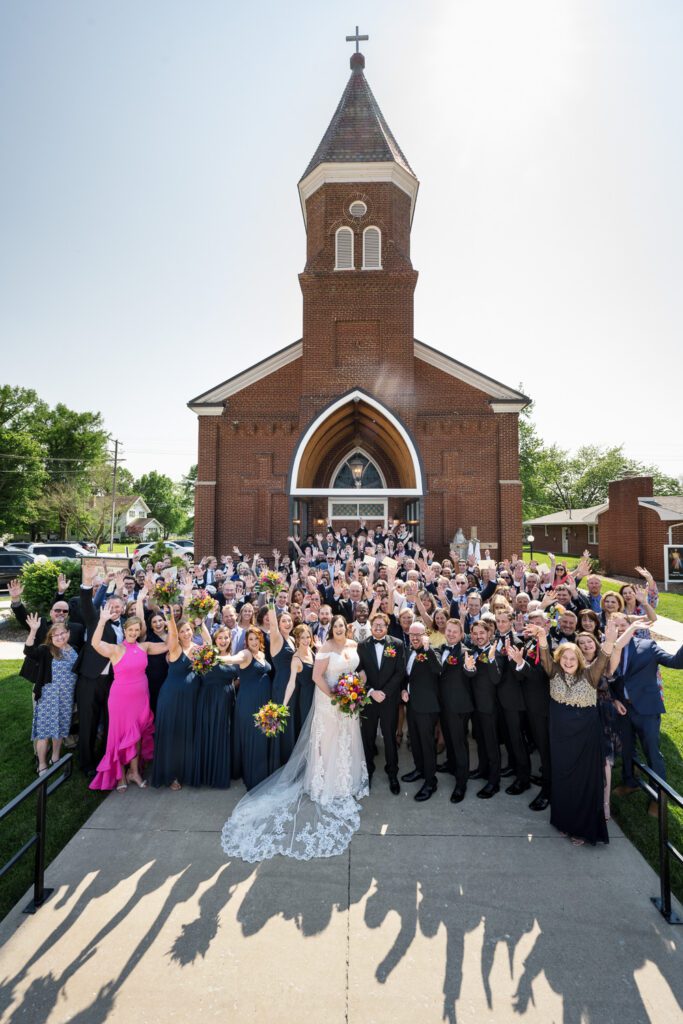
column 389, row 651
column 451, row 660
column 483, row 658
column 421, row 657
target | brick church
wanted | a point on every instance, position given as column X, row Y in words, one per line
column 357, row 419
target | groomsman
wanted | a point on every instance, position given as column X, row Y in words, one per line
column 484, row 670
column 421, row 693
column 455, row 698
column 382, row 667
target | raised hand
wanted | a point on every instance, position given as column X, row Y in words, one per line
column 514, row 653
column 106, row 613
column 641, row 595
column 469, row 662
column 16, row 589
column 33, row 620
column 611, row 633
column 89, row 571
column 62, row 583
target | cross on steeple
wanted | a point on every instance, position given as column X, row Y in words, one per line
column 356, row 39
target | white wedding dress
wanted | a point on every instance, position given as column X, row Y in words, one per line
column 309, row 807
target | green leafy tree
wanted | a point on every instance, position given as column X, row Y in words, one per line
column 165, row 500
column 22, row 476
column 40, row 582
column 75, row 443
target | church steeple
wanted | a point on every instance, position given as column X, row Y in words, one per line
column 358, row 145
column 358, row 131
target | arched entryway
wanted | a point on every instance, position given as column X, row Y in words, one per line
column 355, row 461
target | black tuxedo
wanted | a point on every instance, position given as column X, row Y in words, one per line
column 93, row 684
column 422, row 683
column 536, row 693
column 455, row 699
column 347, row 609
column 387, row 677
column 485, row 678
column 511, row 702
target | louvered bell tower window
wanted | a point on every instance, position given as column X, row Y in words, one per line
column 358, row 208
column 344, row 249
column 372, row 249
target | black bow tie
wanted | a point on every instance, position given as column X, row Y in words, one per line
column 116, row 623
column 380, row 642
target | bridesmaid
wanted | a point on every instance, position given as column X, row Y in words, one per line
column 174, row 755
column 213, row 723
column 130, row 735
column 251, row 746
column 157, row 665
column 281, row 651
column 301, row 677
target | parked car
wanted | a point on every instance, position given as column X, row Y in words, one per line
column 185, row 543
column 176, row 548
column 59, row 549
column 89, row 545
column 18, row 545
column 11, row 564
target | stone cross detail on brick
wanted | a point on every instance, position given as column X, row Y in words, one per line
column 356, row 39
column 263, row 485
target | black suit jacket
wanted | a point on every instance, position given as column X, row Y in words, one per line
column 485, row 679
column 455, row 688
column 389, row 677
column 535, row 682
column 424, row 682
column 91, row 664
column 510, row 686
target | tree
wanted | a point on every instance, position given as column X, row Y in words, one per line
column 75, row 443
column 22, row 476
column 164, row 498
column 554, row 479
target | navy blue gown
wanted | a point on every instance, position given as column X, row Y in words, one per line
column 281, row 746
column 174, row 724
column 251, row 747
column 213, row 728
column 305, row 689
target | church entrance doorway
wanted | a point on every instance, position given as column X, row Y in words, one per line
column 344, row 512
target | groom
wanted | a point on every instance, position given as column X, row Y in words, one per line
column 382, row 668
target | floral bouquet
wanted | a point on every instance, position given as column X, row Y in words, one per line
column 271, row 718
column 166, row 593
column 199, row 606
column 204, row 658
column 349, row 694
column 270, row 583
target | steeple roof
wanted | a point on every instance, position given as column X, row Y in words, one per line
column 358, row 132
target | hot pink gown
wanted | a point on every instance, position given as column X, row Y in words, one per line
column 130, row 719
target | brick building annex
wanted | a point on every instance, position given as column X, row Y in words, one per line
column 357, row 419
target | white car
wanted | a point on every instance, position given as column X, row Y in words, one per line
column 59, row 549
column 176, row 549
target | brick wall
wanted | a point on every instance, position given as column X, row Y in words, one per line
column 621, row 543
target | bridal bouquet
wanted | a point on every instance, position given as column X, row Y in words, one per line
column 349, row 694
column 204, row 658
column 166, row 593
column 199, row 606
column 270, row 583
column 271, row 718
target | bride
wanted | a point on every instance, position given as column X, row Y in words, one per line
column 308, row 808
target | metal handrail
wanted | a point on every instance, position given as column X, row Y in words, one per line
column 662, row 792
column 44, row 788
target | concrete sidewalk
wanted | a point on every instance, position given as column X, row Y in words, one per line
column 472, row 913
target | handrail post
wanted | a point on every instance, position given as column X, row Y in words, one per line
column 664, row 868
column 40, row 893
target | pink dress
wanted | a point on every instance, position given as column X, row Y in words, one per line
column 130, row 719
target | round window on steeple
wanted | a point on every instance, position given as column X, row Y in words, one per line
column 358, row 208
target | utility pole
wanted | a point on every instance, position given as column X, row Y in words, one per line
column 113, row 494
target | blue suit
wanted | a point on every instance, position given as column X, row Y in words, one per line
column 637, row 686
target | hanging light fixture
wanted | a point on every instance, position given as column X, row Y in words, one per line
column 357, row 465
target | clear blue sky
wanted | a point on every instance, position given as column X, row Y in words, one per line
column 150, row 229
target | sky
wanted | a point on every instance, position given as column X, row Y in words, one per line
column 151, row 233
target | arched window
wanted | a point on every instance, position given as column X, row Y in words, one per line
column 372, row 249
column 344, row 249
column 357, row 470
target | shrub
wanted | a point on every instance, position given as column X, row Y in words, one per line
column 40, row 582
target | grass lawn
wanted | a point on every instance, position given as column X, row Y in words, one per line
column 67, row 809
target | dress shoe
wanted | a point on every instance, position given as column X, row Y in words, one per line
column 457, row 796
column 517, row 787
column 488, row 791
column 476, row 774
column 426, row 792
column 394, row 785
column 444, row 768
column 539, row 803
column 412, row 776
column 625, row 790
column 506, row 773
column 653, row 809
